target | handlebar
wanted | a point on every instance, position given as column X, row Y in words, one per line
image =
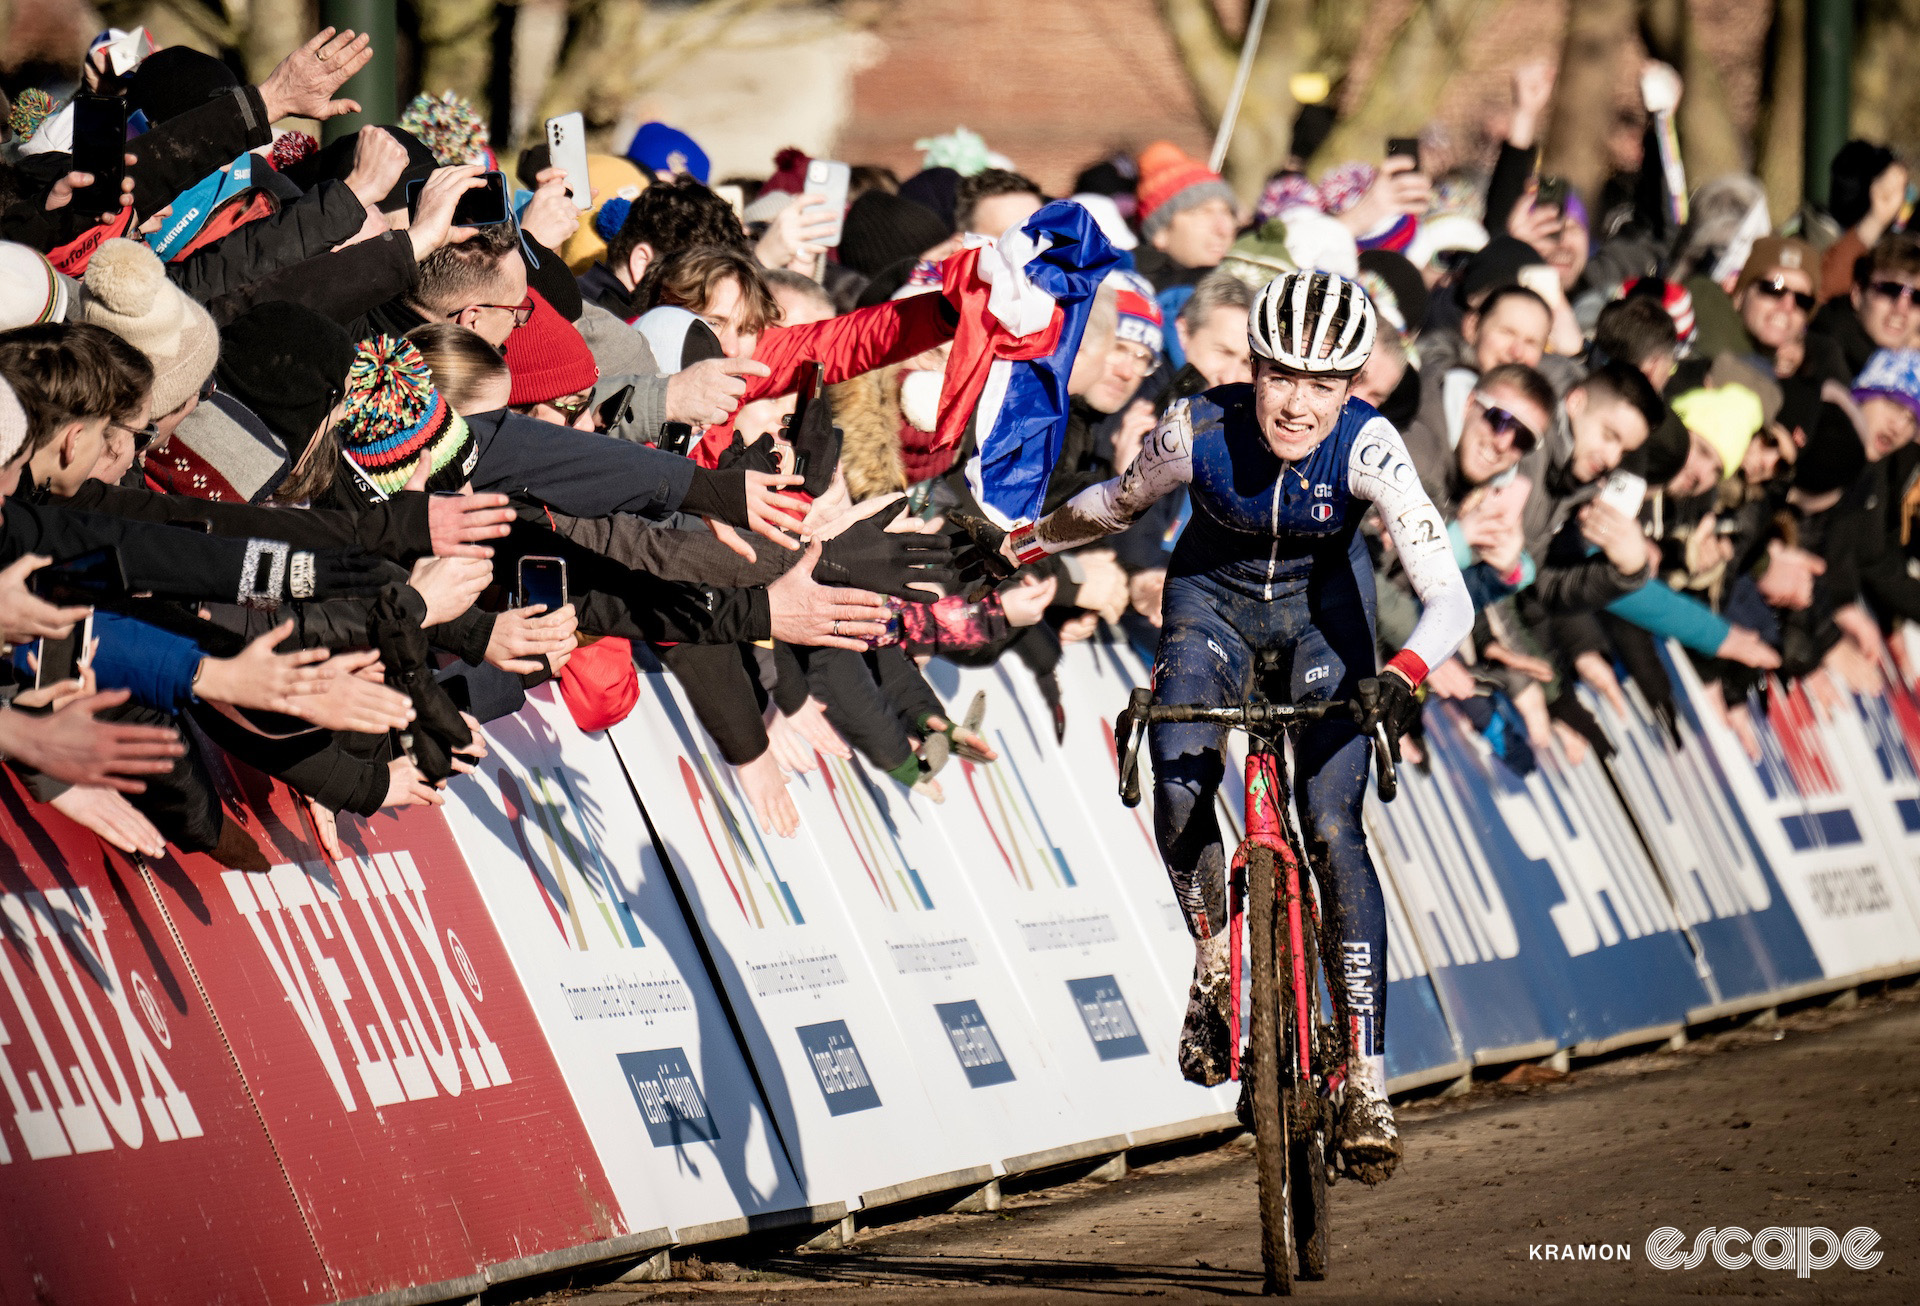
column 1141, row 711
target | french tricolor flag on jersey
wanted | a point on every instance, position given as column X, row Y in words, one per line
column 1023, row 302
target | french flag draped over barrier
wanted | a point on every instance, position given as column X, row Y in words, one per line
column 1023, row 303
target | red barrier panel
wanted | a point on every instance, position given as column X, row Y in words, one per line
column 406, row 1084
column 133, row 1167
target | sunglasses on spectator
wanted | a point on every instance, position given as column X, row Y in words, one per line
column 142, row 435
column 1779, row 289
column 1895, row 291
column 1506, row 424
column 571, row 406
column 522, row 312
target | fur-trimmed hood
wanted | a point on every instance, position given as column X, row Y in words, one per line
column 867, row 409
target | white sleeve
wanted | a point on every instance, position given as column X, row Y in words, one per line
column 1165, row 460
column 1381, row 472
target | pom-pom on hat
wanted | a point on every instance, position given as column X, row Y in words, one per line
column 395, row 418
column 30, row 109
column 1171, row 182
column 448, row 126
column 129, row 294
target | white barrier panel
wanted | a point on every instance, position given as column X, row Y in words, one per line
column 1872, row 739
column 1090, row 920
column 949, row 978
column 840, row 1072
column 1817, row 836
column 571, row 878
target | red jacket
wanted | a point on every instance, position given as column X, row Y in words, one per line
column 844, row 347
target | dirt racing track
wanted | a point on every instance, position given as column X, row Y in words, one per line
column 1807, row 1121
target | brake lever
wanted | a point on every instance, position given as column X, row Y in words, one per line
column 1386, row 781
column 1127, row 732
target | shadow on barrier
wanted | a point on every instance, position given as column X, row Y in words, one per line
column 741, row 1019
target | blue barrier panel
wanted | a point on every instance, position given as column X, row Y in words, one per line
column 1715, row 871
column 1597, row 928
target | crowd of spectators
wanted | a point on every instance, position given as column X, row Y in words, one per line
column 278, row 435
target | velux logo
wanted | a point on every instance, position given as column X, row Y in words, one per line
column 409, row 1026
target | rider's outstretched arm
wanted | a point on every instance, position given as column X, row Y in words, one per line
column 1165, row 460
column 1380, row 470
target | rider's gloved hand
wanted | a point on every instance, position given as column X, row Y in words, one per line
column 982, row 560
column 1387, row 699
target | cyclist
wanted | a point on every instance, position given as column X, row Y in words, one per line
column 1281, row 471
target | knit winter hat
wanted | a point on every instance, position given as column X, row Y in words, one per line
column 1260, row 255
column 668, row 150
column 937, row 189
column 615, row 182
column 1496, row 265
column 13, row 424
column 288, row 365
column 29, row 109
column 1140, row 318
column 176, row 80
column 449, row 127
column 1891, row 374
column 881, row 229
column 32, row 290
column 129, row 294
column 1171, row 182
column 548, row 357
column 1726, row 417
column 1396, row 287
column 395, row 417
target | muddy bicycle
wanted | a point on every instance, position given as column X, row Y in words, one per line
column 1302, row 1033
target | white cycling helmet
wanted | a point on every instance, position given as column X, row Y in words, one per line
column 1316, row 322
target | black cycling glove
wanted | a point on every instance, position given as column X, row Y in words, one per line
column 867, row 556
column 1386, row 700
column 982, row 560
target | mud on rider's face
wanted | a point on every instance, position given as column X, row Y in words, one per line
column 1296, row 410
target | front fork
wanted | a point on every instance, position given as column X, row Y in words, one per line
column 1267, row 828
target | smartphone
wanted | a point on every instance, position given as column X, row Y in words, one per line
column 1552, row 194
column 567, row 148
column 810, row 429
column 99, row 147
column 543, row 580
column 62, row 659
column 1405, row 147
column 483, row 206
column 1625, row 492
column 81, row 580
column 828, row 179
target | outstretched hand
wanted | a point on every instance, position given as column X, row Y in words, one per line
column 303, row 84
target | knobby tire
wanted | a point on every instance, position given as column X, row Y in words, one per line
column 1307, row 1149
column 1271, row 1141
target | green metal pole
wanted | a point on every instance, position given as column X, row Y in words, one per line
column 1829, row 87
column 373, row 86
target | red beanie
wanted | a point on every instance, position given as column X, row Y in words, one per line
column 547, row 357
column 1167, row 174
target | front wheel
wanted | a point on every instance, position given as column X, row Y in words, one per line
column 1307, row 1173
column 1270, row 1135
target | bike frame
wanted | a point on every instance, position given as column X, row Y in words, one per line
column 1268, row 826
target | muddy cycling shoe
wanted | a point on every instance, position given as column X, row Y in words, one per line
column 1368, row 1140
column 1206, row 1035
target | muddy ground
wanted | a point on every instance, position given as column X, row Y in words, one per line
column 1814, row 1121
